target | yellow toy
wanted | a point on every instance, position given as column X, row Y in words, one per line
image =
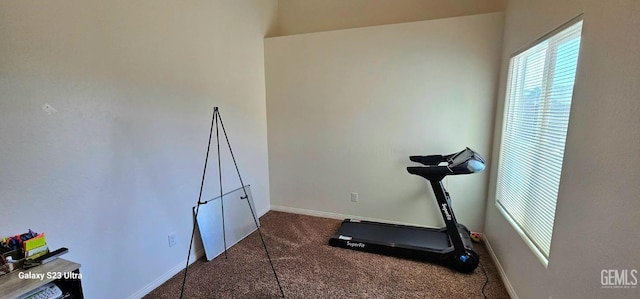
column 475, row 237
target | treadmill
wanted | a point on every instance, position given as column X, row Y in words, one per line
column 450, row 246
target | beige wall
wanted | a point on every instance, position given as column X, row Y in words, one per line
column 346, row 108
column 304, row 16
column 598, row 210
column 118, row 167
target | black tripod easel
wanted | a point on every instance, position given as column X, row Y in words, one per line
column 217, row 119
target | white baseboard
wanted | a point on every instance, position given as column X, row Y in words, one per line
column 310, row 212
column 503, row 275
column 335, row 215
column 262, row 212
column 166, row 276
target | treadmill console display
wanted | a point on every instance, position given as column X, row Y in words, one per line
column 466, row 161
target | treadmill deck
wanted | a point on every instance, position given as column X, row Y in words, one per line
column 395, row 235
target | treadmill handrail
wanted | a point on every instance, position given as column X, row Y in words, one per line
column 430, row 159
column 466, row 161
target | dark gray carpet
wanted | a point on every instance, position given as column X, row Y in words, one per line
column 309, row 268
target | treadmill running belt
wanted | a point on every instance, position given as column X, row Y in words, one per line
column 381, row 233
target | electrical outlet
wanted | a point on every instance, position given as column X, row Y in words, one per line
column 172, row 239
column 354, row 197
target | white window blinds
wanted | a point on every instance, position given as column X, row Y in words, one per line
column 538, row 102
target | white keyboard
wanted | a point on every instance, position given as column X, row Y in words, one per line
column 47, row 291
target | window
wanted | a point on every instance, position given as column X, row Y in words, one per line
column 538, row 104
